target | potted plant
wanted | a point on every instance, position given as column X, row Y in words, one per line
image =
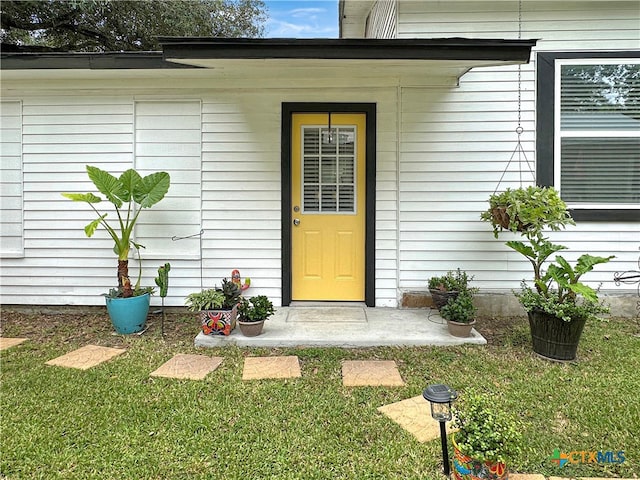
column 558, row 305
column 485, row 439
column 459, row 312
column 448, row 286
column 252, row 313
column 129, row 194
column 527, row 209
column 217, row 307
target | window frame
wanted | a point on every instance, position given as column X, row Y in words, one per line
column 546, row 127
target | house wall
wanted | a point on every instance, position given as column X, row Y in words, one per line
column 382, row 21
column 222, row 148
column 456, row 143
column 440, row 153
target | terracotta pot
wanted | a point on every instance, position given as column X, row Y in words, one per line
column 251, row 329
column 467, row 468
column 459, row 329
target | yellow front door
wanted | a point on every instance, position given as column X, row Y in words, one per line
column 328, row 207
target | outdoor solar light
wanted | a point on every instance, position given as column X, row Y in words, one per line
column 441, row 397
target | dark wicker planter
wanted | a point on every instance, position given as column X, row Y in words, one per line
column 554, row 338
column 441, row 297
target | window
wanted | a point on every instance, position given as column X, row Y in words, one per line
column 329, row 170
column 588, row 139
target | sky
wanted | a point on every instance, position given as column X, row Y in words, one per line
column 302, row 19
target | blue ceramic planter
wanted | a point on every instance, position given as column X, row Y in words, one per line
column 129, row 315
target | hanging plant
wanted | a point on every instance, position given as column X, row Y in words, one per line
column 527, row 210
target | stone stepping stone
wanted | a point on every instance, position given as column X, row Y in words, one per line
column 414, row 415
column 86, row 357
column 374, row 373
column 8, row 342
column 190, row 367
column 258, row 368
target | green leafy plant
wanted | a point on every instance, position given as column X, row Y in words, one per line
column 528, row 210
column 209, row 299
column 459, row 309
column 457, row 281
column 484, row 433
column 129, row 194
column 558, row 291
column 218, row 298
column 255, row 309
column 231, row 292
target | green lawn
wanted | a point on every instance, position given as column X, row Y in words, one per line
column 116, row 422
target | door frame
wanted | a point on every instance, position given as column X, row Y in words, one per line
column 369, row 110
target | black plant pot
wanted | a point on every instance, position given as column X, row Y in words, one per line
column 554, row 338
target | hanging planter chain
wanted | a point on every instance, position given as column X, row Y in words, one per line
column 519, row 130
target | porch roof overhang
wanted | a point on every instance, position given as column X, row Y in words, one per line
column 260, row 58
column 450, row 57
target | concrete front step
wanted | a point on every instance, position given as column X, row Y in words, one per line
column 348, row 327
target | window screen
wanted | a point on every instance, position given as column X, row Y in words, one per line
column 599, row 140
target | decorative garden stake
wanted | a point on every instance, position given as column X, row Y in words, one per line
column 441, row 397
column 162, row 281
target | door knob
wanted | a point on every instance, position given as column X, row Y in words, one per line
column 296, row 221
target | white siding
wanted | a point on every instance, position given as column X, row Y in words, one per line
column 455, row 144
column 223, row 152
column 60, row 136
column 557, row 25
column 382, row 20
column 440, row 153
column 168, row 138
column 11, row 239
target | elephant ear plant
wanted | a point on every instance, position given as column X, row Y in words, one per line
column 559, row 304
column 129, row 194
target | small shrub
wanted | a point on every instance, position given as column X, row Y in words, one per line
column 457, row 281
column 459, row 309
column 485, row 434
